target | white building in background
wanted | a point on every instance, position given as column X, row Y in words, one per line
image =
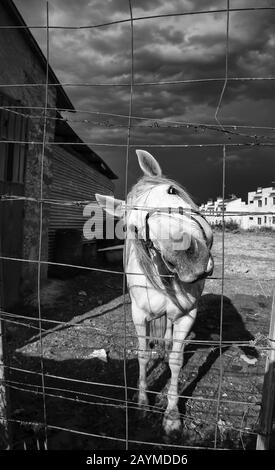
column 260, row 201
column 234, row 212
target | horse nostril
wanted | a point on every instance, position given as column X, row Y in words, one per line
column 210, row 265
column 193, row 246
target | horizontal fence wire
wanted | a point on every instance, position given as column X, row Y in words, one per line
column 110, row 271
column 142, row 18
column 115, row 145
column 108, row 385
column 137, row 84
column 258, row 140
column 6, row 316
column 128, row 403
column 204, row 212
column 151, row 409
column 40, row 425
column 120, row 402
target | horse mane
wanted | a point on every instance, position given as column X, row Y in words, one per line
column 145, row 184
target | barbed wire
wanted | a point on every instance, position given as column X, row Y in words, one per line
column 156, row 124
column 155, row 121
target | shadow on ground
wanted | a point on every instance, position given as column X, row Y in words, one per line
column 88, row 408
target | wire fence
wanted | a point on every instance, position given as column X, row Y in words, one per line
column 264, row 344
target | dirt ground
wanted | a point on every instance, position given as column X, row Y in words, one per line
column 85, row 370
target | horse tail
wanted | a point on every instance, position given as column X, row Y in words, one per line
column 157, row 328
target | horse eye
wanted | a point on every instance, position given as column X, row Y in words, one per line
column 172, row 190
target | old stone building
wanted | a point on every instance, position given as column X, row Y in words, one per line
column 22, row 98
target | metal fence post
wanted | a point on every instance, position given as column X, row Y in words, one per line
column 4, row 427
column 268, row 397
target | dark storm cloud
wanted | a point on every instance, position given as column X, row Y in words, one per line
column 162, row 50
column 190, row 47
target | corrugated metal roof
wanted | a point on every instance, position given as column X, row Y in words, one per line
column 64, row 133
column 73, row 180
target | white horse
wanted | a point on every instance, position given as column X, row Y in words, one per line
column 167, row 258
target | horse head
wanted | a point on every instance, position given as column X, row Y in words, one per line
column 160, row 213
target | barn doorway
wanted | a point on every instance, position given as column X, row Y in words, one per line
column 13, row 131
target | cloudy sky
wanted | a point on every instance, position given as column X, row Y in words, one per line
column 188, row 47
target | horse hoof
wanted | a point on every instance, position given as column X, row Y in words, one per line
column 171, row 423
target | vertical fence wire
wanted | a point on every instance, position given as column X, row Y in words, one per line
column 226, row 65
column 41, row 228
column 221, row 305
column 223, row 230
column 128, row 140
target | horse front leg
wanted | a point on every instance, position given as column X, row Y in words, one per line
column 139, row 320
column 171, row 420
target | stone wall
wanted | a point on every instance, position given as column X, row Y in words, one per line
column 20, row 65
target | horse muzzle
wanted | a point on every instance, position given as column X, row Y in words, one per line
column 191, row 265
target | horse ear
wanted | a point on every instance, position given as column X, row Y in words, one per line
column 114, row 207
column 148, row 163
